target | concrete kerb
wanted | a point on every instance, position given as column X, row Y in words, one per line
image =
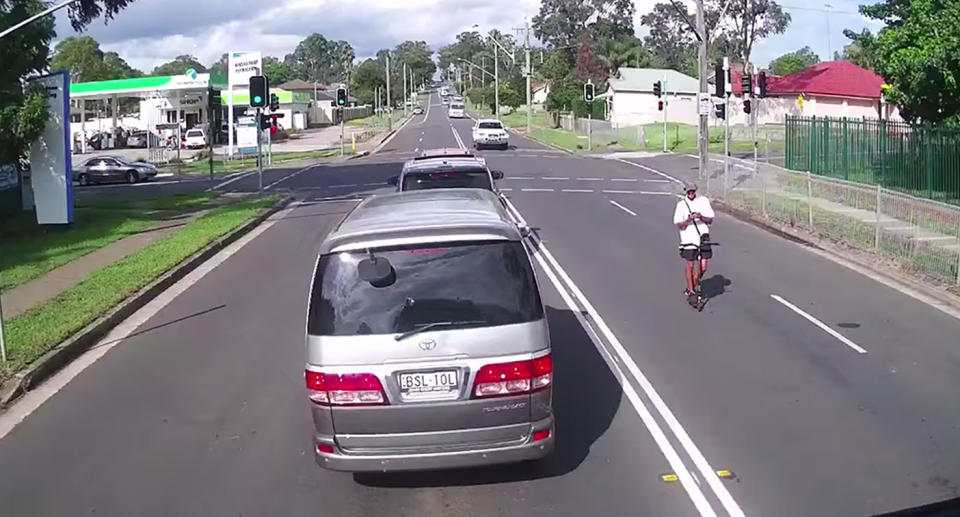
column 77, row 344
column 389, row 136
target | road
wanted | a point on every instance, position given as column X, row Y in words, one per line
column 820, row 390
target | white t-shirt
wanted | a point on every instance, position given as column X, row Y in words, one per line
column 690, row 236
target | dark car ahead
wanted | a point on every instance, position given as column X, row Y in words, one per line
column 110, row 169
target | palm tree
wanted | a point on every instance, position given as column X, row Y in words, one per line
column 623, row 52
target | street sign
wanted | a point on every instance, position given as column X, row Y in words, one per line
column 704, row 103
column 242, row 66
column 168, row 126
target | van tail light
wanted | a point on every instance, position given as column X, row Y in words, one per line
column 518, row 377
column 541, row 435
column 349, row 389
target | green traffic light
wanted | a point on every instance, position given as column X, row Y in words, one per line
column 258, row 99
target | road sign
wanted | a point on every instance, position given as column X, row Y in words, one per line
column 242, row 66
column 704, row 103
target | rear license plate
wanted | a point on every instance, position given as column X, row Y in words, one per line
column 429, row 382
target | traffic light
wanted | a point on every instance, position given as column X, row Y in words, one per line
column 762, row 83
column 264, row 121
column 588, row 92
column 720, row 110
column 659, row 105
column 259, row 91
column 657, row 89
column 274, row 102
column 746, row 106
column 341, row 96
column 745, row 84
column 720, row 78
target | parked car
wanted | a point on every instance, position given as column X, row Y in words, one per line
column 195, row 138
column 490, row 132
column 138, row 139
column 109, row 169
column 427, row 345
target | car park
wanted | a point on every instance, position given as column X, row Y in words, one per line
column 490, row 133
column 111, row 169
column 427, row 344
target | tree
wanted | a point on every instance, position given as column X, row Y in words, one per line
column 917, row 55
column 468, row 45
column 623, row 52
column 562, row 23
column 588, row 66
column 418, row 58
column 25, row 52
column 179, row 66
column 860, row 51
column 219, row 66
column 86, row 62
column 673, row 40
column 794, row 61
column 117, row 68
column 277, row 71
column 366, row 78
column 317, row 59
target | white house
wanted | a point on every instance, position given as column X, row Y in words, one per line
column 630, row 98
column 539, row 92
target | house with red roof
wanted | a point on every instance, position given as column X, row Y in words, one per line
column 830, row 89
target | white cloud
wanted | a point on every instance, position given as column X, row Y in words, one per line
column 151, row 32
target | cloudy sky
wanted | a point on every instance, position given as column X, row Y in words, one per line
column 151, row 32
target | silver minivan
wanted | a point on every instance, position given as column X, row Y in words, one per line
column 427, row 344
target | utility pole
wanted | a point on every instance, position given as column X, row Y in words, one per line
column 389, row 115
column 259, row 121
column 527, row 70
column 496, row 83
column 404, row 89
column 702, row 141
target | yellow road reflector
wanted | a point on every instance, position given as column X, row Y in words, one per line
column 668, row 478
column 724, row 474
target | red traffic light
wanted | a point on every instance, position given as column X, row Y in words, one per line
column 659, row 105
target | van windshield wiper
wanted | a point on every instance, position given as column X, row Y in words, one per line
column 435, row 324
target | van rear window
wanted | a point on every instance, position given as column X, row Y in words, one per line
column 480, row 284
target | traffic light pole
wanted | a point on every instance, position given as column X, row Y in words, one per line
column 702, row 141
column 726, row 122
column 259, row 150
column 756, row 116
column 389, row 106
column 663, row 88
column 341, row 131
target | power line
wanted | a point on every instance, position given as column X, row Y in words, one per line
column 818, row 9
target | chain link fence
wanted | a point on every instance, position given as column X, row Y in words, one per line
column 921, row 235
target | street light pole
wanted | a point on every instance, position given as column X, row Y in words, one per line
column 496, row 83
column 404, row 89
column 37, row 16
column 704, row 128
column 389, row 106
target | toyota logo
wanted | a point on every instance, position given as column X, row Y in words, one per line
column 428, row 344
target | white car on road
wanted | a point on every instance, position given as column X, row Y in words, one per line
column 456, row 110
column 490, row 132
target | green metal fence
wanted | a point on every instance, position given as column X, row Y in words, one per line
column 921, row 160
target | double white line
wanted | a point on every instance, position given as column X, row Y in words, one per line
column 457, row 137
column 595, row 326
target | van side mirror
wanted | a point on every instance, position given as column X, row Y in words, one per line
column 497, row 175
column 393, row 180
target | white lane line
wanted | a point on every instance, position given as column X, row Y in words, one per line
column 553, row 178
column 617, row 191
column 619, row 353
column 35, row 398
column 621, row 207
column 650, row 193
column 820, row 324
column 231, row 180
column 937, row 238
column 347, row 185
column 519, row 177
column 373, row 184
column 457, row 137
column 624, row 179
column 537, row 190
column 656, row 181
column 585, row 190
column 589, row 179
column 655, row 171
column 506, row 190
column 288, row 176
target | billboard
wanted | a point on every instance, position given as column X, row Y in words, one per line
column 242, row 66
column 51, row 170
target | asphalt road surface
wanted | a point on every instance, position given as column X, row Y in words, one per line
column 819, row 390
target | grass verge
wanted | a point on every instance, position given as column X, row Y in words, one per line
column 31, row 250
column 38, row 330
column 227, row 167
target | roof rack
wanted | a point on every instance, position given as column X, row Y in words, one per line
column 428, row 154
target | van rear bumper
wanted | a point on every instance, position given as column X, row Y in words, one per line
column 424, row 459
